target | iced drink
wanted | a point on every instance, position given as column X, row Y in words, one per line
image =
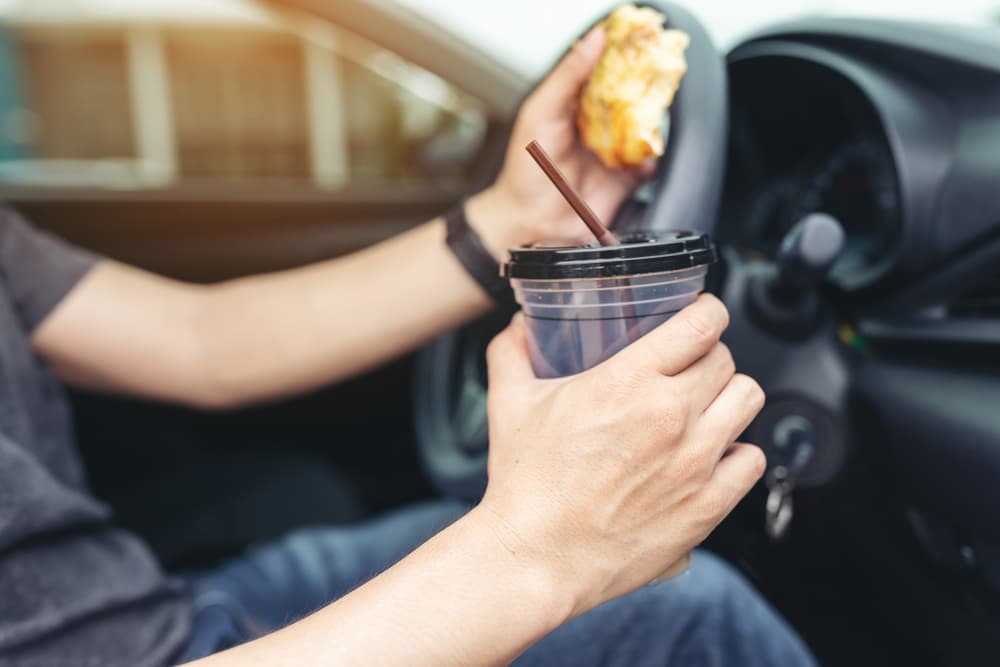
column 582, row 304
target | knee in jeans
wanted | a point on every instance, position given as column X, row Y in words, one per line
column 710, row 586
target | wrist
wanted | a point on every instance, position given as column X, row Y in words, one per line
column 548, row 581
column 498, row 220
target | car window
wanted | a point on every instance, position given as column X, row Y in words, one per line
column 102, row 94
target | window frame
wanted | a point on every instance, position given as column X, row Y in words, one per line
column 156, row 164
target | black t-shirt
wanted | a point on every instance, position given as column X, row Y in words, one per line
column 74, row 590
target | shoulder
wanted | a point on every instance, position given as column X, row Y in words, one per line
column 37, row 268
column 7, row 214
column 11, row 221
column 17, row 235
column 12, row 226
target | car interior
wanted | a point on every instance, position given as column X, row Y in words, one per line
column 847, row 169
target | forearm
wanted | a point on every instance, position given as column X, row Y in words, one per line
column 125, row 330
column 276, row 334
column 463, row 598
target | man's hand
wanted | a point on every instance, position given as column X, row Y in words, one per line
column 522, row 206
column 598, row 483
column 612, row 475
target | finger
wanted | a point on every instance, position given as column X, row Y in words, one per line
column 734, row 476
column 705, row 379
column 646, row 169
column 682, row 340
column 562, row 87
column 731, row 413
column 605, row 187
column 507, row 358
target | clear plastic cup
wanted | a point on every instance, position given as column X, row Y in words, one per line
column 584, row 304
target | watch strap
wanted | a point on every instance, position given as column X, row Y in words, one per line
column 468, row 247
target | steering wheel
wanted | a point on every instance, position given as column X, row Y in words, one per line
column 450, row 392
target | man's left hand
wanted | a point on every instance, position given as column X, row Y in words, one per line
column 522, row 206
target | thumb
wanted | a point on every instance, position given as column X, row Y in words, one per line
column 563, row 84
column 507, row 357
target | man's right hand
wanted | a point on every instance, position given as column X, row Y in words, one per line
column 608, row 477
column 598, row 484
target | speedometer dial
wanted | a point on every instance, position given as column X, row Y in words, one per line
column 857, row 185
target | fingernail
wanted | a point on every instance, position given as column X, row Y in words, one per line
column 648, row 167
column 591, row 42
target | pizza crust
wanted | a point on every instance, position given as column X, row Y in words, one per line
column 633, row 84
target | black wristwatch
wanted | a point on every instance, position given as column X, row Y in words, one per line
column 473, row 255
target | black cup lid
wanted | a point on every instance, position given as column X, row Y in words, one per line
column 637, row 254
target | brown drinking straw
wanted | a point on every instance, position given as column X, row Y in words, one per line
column 604, row 236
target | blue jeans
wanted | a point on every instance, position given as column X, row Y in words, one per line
column 707, row 616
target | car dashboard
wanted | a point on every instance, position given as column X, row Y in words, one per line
column 894, row 130
column 805, row 139
column 888, row 126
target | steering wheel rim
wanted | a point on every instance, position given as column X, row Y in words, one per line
column 450, row 379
